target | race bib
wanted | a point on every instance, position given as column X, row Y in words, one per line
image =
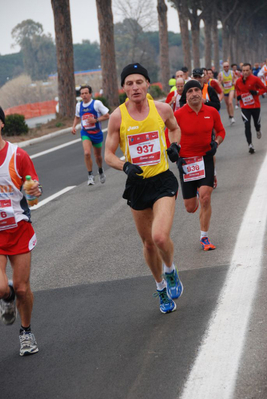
column 144, row 148
column 194, row 169
column 228, row 84
column 247, row 99
column 85, row 122
column 7, row 215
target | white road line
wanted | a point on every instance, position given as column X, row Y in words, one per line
column 59, row 147
column 215, row 369
column 39, row 154
column 48, row 199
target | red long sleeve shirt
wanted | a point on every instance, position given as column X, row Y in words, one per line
column 196, row 129
column 243, row 88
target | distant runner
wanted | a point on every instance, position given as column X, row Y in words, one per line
column 91, row 112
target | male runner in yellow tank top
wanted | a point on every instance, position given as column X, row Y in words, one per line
column 227, row 79
column 137, row 126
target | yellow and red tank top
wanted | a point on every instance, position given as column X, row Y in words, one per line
column 227, row 80
column 143, row 142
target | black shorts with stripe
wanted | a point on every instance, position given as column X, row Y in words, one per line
column 142, row 194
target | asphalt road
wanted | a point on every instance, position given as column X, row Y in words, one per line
column 97, row 324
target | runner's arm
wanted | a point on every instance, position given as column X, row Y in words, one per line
column 75, row 122
column 113, row 141
column 173, row 128
column 261, row 86
column 218, row 126
column 26, row 167
column 214, row 99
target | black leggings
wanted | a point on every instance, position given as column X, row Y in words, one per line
column 247, row 113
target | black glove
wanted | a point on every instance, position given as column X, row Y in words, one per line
column 173, row 152
column 132, row 170
column 214, row 146
column 238, row 98
column 180, row 164
column 253, row 92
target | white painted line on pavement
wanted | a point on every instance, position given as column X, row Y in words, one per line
column 215, row 369
column 48, row 199
column 39, row 154
column 58, row 147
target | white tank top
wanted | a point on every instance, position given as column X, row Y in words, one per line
column 13, row 204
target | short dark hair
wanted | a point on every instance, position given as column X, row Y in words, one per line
column 233, row 65
column 184, row 69
column 86, row 87
column 2, row 116
column 246, row 64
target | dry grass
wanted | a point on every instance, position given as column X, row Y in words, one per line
column 22, row 90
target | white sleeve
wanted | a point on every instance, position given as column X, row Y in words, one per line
column 77, row 111
column 261, row 73
column 100, row 108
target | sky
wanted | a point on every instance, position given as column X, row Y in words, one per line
column 15, row 11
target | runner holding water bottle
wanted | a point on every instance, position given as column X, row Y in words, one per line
column 17, row 239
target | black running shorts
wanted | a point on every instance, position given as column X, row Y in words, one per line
column 189, row 189
column 142, row 194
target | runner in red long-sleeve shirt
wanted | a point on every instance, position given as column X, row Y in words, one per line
column 248, row 88
column 196, row 165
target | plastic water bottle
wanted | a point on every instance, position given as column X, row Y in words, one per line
column 31, row 199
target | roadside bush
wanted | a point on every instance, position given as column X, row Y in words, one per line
column 103, row 100
column 122, row 97
column 156, row 91
column 15, row 125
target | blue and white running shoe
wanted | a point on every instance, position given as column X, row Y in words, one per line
column 174, row 285
column 166, row 305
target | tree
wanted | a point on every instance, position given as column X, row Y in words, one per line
column 65, row 65
column 225, row 11
column 86, row 55
column 207, row 18
column 38, row 49
column 107, row 48
column 11, row 65
column 146, row 53
column 164, row 45
column 215, row 38
column 140, row 16
column 181, row 7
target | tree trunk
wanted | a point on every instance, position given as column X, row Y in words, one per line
column 65, row 65
column 208, row 43
column 194, row 19
column 163, row 44
column 107, row 48
column 215, row 39
column 225, row 38
column 181, row 8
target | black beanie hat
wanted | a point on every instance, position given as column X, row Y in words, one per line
column 132, row 69
column 191, row 83
column 2, row 116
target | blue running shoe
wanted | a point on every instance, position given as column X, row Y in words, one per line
column 174, row 285
column 166, row 305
